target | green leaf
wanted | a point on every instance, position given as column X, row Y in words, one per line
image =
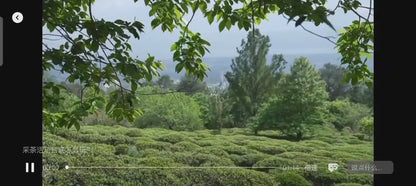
column 179, row 67
column 228, row 24
column 326, row 21
column 55, row 90
column 222, row 25
column 173, row 47
column 133, row 86
column 94, row 46
column 210, row 18
column 120, row 22
column 201, row 50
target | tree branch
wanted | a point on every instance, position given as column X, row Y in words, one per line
column 321, row 36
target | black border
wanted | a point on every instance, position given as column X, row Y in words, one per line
column 20, row 92
column 394, row 89
column 21, row 108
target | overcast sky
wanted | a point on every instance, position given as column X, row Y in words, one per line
column 284, row 38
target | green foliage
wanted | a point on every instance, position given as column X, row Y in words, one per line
column 335, row 86
column 121, row 149
column 251, row 79
column 367, row 125
column 171, row 138
column 291, row 179
column 277, row 163
column 221, row 152
column 86, row 55
column 299, row 104
column 363, row 94
column 191, row 85
column 266, row 148
column 346, row 114
column 133, row 133
column 97, row 51
column 165, row 82
column 175, row 111
column 223, row 177
column 356, row 45
column 348, row 184
column 215, row 109
column 247, row 160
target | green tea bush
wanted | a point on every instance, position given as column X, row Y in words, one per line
column 163, row 147
column 291, row 179
column 172, row 138
column 157, row 162
column 142, row 145
column 186, row 146
column 204, row 160
column 214, row 150
column 121, row 149
column 239, row 177
column 301, row 157
column 278, row 162
column 132, row 151
column 247, row 160
column 348, row 184
column 235, row 149
column 133, row 133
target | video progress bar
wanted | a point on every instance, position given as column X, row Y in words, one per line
column 220, row 167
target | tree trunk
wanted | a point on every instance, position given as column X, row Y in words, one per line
column 299, row 136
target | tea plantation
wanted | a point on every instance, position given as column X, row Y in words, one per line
column 113, row 155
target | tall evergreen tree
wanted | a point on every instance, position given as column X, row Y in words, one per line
column 251, row 79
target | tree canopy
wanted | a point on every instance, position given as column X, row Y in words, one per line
column 299, row 104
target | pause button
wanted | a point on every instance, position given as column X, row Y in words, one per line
column 30, row 167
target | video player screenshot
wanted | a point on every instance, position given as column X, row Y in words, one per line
column 196, row 92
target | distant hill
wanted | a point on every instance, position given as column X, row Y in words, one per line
column 220, row 65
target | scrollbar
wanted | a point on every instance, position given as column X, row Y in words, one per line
column 1, row 41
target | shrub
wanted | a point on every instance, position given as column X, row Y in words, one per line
column 277, row 162
column 143, row 145
column 121, row 149
column 157, row 162
column 247, row 160
column 348, row 184
column 265, row 148
column 360, row 136
column 235, row 149
column 175, row 111
column 187, row 146
column 133, row 151
column 134, row 133
column 367, row 125
column 291, row 179
column 241, row 177
column 198, row 159
column 171, row 138
column 147, row 153
column 212, row 150
column 346, row 114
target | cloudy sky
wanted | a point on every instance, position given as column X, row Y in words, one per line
column 285, row 38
